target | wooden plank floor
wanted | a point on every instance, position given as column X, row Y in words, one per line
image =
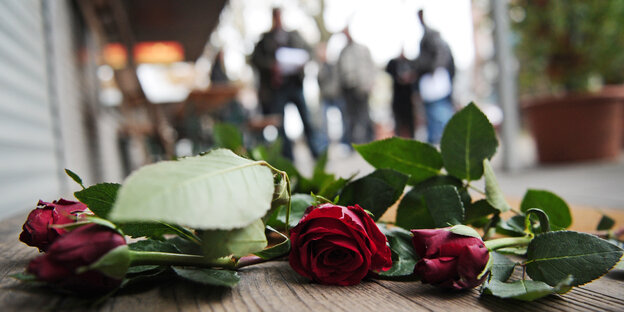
column 276, row 287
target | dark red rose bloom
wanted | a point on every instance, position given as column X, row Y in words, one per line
column 74, row 250
column 449, row 260
column 38, row 231
column 338, row 245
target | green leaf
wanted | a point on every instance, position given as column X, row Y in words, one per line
column 114, row 263
column 228, row 136
column 464, row 230
column 236, row 242
column 277, row 250
column 501, row 267
column 525, row 290
column 468, row 139
column 552, row 256
column 185, row 246
column 298, row 205
column 478, row 211
column 606, row 223
column 512, row 227
column 416, row 159
column 100, row 198
column 331, row 189
column 493, row 193
column 143, row 269
column 218, row 190
column 413, row 212
column 518, row 251
column 444, row 205
column 143, row 273
column 24, row 277
column 74, row 177
column 375, row 192
column 556, row 209
column 207, row 276
column 154, row 245
column 404, row 256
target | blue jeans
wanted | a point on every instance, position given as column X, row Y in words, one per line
column 438, row 114
column 293, row 93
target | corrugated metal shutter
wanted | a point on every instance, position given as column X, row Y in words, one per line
column 29, row 153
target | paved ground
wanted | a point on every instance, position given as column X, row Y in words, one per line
column 598, row 184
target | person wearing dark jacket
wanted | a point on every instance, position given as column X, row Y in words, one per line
column 279, row 57
column 434, row 70
column 400, row 69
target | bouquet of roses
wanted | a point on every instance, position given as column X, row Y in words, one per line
column 202, row 218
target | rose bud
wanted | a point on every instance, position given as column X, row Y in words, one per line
column 38, row 230
column 90, row 259
column 338, row 245
column 450, row 257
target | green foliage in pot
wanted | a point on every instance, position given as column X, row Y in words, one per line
column 571, row 45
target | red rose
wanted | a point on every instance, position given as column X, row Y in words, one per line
column 66, row 263
column 338, row 245
column 449, row 260
column 38, row 232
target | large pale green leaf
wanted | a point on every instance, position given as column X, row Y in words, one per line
column 468, row 139
column 552, row 256
column 219, row 190
column 375, row 192
column 416, row 159
column 100, row 198
column 236, row 242
column 493, row 193
column 525, row 290
column 556, row 208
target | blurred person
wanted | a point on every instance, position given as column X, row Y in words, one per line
column 435, row 69
column 280, row 56
column 356, row 72
column 401, row 71
column 218, row 74
column 330, row 94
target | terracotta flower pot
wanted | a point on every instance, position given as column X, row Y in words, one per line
column 617, row 91
column 576, row 126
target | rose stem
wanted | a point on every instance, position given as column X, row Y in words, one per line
column 507, row 242
column 249, row 260
column 166, row 258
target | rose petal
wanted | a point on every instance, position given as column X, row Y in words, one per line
column 455, row 244
column 471, row 263
column 436, row 271
column 427, row 242
column 382, row 256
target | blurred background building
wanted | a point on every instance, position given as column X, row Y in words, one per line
column 102, row 87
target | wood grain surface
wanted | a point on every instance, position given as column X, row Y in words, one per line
column 275, row 286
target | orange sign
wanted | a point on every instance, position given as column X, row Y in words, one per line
column 158, row 52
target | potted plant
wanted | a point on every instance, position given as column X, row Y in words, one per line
column 568, row 51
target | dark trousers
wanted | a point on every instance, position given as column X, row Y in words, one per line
column 357, row 121
column 292, row 93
